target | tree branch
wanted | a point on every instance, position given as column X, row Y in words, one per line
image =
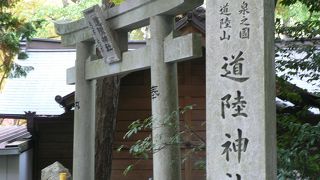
column 285, row 90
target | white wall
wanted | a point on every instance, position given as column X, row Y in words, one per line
column 16, row 167
column 25, row 165
column 9, row 167
column 3, row 167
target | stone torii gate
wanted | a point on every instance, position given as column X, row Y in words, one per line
column 160, row 54
column 240, row 92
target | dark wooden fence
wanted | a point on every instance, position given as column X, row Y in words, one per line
column 135, row 103
column 52, row 141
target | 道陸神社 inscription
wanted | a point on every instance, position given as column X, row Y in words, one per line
column 225, row 22
column 233, row 69
column 239, row 145
column 238, row 105
column 237, row 71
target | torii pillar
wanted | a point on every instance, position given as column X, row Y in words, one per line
column 84, row 124
column 166, row 162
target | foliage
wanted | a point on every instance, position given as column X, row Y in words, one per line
column 142, row 148
column 297, row 35
column 117, row 2
column 312, row 5
column 12, row 30
column 295, row 56
column 298, row 149
column 39, row 10
column 48, row 13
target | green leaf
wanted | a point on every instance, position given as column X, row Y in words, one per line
column 22, row 56
column 128, row 169
column 120, row 148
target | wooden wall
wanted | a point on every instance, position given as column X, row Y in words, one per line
column 135, row 103
column 54, row 136
column 53, row 141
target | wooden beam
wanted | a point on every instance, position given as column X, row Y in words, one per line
column 127, row 16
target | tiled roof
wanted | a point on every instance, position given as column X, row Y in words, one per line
column 13, row 139
column 196, row 17
column 37, row 91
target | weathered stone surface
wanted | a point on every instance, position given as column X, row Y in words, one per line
column 164, row 94
column 241, row 126
column 182, row 48
column 175, row 50
column 129, row 15
column 84, row 117
column 53, row 171
column 164, row 76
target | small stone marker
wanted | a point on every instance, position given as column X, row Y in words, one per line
column 102, row 34
column 241, row 138
column 53, row 171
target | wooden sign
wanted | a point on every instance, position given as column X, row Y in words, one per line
column 102, row 34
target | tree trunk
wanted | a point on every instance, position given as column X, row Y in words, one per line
column 107, row 94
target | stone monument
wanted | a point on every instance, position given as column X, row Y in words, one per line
column 240, row 90
column 53, row 171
